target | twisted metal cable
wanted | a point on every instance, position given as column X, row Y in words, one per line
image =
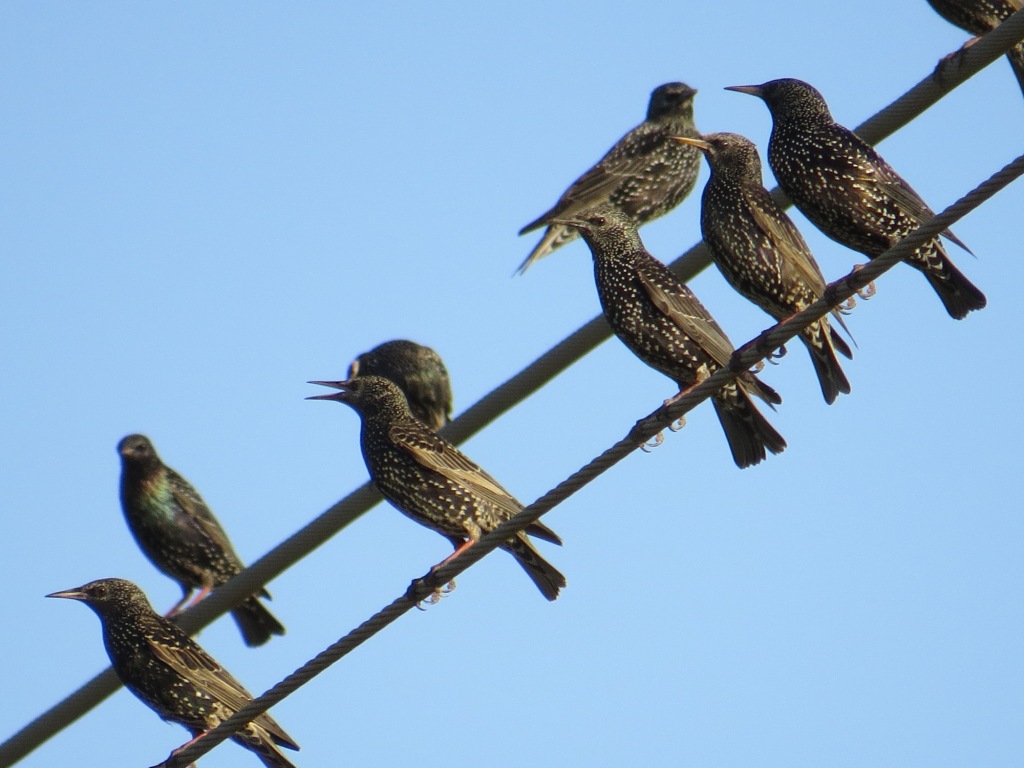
column 749, row 354
column 549, row 365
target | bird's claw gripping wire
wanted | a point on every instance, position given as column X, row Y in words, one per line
column 867, row 291
column 776, row 354
column 438, row 595
column 657, row 440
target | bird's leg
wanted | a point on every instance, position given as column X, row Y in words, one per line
column 175, row 752
column 199, row 597
column 440, row 591
column 178, row 606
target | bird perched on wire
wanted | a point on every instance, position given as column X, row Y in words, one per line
column 663, row 323
column 171, row 673
column 418, row 371
column 645, row 175
column 179, row 534
column 432, row 481
column 849, row 192
column 979, row 17
column 761, row 253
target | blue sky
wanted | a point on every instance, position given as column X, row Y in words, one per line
column 207, row 205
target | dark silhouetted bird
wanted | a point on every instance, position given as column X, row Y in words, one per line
column 171, row 673
column 177, row 532
column 761, row 253
column 645, row 175
column 418, row 371
column 664, row 324
column 848, row 191
column 979, row 17
column 434, row 483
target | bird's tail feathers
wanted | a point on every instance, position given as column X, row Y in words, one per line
column 255, row 622
column 547, row 578
column 747, row 430
column 820, row 339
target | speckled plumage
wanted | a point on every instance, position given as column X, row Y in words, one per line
column 979, row 17
column 170, row 672
column 179, row 534
column 849, row 192
column 645, row 175
column 761, row 253
column 663, row 323
column 432, row 481
column 418, row 371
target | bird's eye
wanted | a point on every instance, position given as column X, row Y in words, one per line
column 598, row 221
column 99, row 590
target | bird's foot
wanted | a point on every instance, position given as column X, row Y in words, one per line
column 955, row 58
column 847, row 306
column 772, row 356
column 867, row 291
column 654, row 443
column 439, row 594
column 678, row 424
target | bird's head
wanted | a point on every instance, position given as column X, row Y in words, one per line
column 606, row 229
column 728, row 153
column 368, row 395
column 137, row 450
column 671, row 99
column 788, row 98
column 106, row 596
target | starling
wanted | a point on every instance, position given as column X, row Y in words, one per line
column 434, row 483
column 177, row 532
column 979, row 17
column 418, row 371
column 171, row 673
column 761, row 253
column 663, row 323
column 645, row 175
column 849, row 192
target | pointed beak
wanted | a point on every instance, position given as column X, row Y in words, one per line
column 70, row 594
column 700, row 144
column 341, row 397
column 752, row 90
column 574, row 223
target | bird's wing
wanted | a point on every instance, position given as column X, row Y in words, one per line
column 910, row 202
column 597, row 185
column 436, row 454
column 196, row 511
column 185, row 657
column 797, row 259
column 679, row 304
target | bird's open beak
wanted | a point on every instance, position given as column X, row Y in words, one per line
column 340, row 397
column 700, row 144
column 753, row 90
column 70, row 594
